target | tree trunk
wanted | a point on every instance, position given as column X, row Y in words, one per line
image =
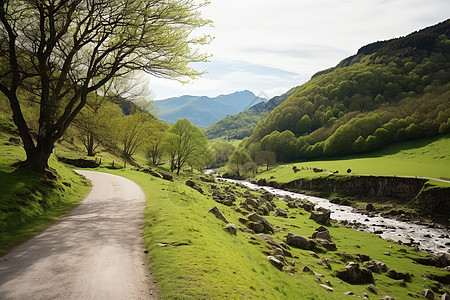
column 37, row 159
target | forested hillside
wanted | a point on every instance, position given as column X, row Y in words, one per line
column 388, row 92
column 242, row 124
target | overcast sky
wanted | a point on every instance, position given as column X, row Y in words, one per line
column 268, row 46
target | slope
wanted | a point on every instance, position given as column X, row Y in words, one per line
column 389, row 92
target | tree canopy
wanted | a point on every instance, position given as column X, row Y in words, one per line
column 61, row 51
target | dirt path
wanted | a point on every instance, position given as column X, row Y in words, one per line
column 96, row 252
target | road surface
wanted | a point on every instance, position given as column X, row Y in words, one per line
column 96, row 252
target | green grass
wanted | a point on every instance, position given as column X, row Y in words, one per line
column 423, row 158
column 216, row 265
column 28, row 205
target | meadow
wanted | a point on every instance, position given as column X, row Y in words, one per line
column 429, row 158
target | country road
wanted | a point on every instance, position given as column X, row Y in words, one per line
column 95, row 252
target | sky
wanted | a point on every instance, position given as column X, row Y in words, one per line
column 268, row 46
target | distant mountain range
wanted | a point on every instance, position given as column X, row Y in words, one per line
column 204, row 111
column 242, row 124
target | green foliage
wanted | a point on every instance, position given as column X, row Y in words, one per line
column 384, row 94
column 220, row 153
column 186, row 145
column 237, row 161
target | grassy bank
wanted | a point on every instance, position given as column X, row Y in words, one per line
column 423, row 158
column 192, row 256
column 28, row 203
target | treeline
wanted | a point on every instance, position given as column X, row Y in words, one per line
column 397, row 92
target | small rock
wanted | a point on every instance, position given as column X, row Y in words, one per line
column 428, row 294
column 349, row 293
column 387, row 298
column 370, row 207
column 275, row 262
column 328, row 288
column 445, row 296
column 324, row 261
column 387, row 253
column 371, row 288
column 162, row 244
column 215, row 211
column 231, row 228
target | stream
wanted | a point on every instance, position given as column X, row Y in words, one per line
column 427, row 239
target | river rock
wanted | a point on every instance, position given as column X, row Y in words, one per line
column 215, row 211
column 299, row 241
column 370, row 207
column 355, row 275
column 321, row 216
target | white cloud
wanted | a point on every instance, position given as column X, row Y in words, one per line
column 297, row 37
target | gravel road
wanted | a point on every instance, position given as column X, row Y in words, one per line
column 95, row 252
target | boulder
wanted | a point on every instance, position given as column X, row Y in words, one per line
column 281, row 213
column 370, row 207
column 355, row 275
column 231, row 228
column 321, row 233
column 375, row 266
column 321, row 216
column 258, row 219
column 398, row 275
column 440, row 260
column 167, row 176
column 190, row 183
column 326, row 244
column 215, row 211
column 300, row 241
column 257, row 227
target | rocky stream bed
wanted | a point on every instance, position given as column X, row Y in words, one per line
column 431, row 238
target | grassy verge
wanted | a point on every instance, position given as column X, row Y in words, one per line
column 29, row 204
column 201, row 260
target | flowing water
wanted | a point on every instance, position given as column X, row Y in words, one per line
column 423, row 237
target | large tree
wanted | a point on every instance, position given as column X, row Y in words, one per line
column 63, row 50
column 185, row 143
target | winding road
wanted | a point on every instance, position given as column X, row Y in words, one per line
column 95, row 252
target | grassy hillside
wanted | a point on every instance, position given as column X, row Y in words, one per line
column 389, row 92
column 192, row 256
column 29, row 203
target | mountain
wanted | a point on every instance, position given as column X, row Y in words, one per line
column 241, row 125
column 203, row 111
column 388, row 92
